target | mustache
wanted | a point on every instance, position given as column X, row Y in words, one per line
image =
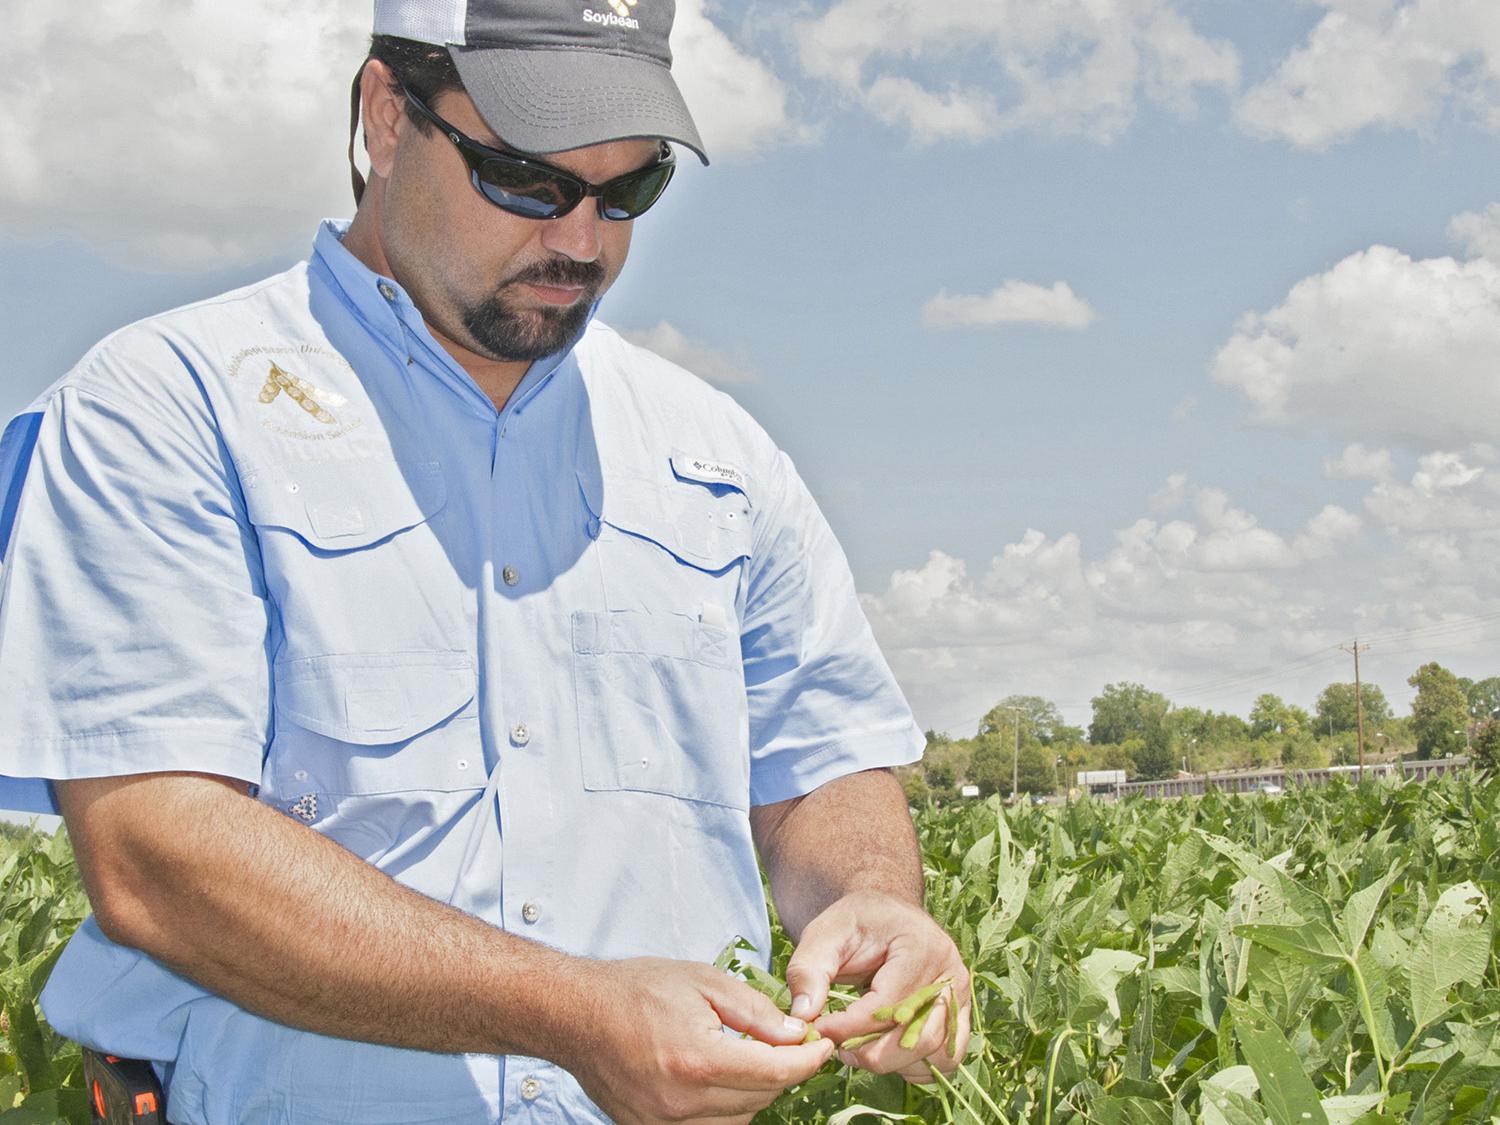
column 562, row 272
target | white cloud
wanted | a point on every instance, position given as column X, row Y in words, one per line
column 1013, row 302
column 1067, row 68
column 1356, row 461
column 1383, row 64
column 1378, row 348
column 964, row 115
column 1478, row 232
column 737, row 101
column 191, row 133
column 1211, row 607
column 705, row 362
column 181, row 133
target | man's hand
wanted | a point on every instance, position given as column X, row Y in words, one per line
column 660, row 1052
column 896, row 948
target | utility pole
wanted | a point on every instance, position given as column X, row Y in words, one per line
column 1359, row 708
column 1015, row 756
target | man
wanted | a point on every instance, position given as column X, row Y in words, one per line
column 420, row 668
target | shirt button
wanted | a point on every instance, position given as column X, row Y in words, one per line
column 463, row 763
column 510, row 576
column 530, row 913
column 520, row 734
column 387, row 290
column 531, row 1089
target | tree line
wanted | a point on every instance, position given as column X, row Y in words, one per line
column 1023, row 741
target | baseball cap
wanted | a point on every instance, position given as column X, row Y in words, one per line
column 552, row 75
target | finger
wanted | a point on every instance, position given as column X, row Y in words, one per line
column 811, row 970
column 748, row 1064
column 742, row 1008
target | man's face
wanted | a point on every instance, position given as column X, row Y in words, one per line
column 505, row 287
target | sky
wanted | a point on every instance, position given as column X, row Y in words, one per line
column 1120, row 340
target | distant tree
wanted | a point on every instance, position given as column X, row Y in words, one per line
column 915, row 786
column 1041, row 721
column 1123, row 711
column 1483, row 696
column 1486, row 749
column 1337, row 713
column 1439, row 713
column 989, row 768
column 1036, row 770
column 1157, row 756
column 1271, row 715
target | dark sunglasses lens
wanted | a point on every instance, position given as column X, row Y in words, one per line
column 632, row 195
column 529, row 192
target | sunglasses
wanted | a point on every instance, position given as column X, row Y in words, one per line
column 521, row 185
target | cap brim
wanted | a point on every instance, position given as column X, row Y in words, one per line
column 556, row 100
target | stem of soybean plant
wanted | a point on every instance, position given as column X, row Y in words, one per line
column 978, row 1089
column 1368, row 1011
column 1057, row 1045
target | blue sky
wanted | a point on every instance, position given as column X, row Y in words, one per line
column 1149, row 340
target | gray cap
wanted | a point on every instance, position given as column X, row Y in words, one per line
column 552, row 75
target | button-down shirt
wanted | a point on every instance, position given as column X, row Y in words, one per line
column 537, row 663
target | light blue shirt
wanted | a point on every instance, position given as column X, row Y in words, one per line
column 538, row 664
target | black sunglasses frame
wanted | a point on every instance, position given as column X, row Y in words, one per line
column 570, row 188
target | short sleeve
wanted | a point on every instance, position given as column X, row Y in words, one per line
column 822, row 700
column 133, row 621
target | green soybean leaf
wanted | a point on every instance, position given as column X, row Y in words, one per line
column 1129, row 1111
column 1285, row 1091
column 1453, row 946
column 1228, row 1107
column 1346, row 1109
column 1362, row 907
column 1312, row 943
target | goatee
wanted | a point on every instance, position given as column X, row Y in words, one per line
column 512, row 334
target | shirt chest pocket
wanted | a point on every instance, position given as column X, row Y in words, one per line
column 355, row 556
column 659, row 682
column 375, row 748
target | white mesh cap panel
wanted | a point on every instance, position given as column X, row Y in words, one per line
column 427, row 21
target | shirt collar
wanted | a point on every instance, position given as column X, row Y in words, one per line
column 382, row 304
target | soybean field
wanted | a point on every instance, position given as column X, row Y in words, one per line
column 1325, row 956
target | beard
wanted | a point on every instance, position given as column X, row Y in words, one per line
column 506, row 332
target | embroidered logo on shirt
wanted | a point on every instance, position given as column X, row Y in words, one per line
column 709, row 471
column 303, row 393
column 302, row 376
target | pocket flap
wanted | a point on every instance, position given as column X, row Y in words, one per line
column 372, row 699
column 340, row 505
column 704, row 525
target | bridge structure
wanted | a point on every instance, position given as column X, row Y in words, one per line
column 1256, row 781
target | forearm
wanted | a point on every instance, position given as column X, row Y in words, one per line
column 852, row 834
column 287, row 924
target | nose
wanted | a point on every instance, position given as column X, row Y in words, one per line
column 575, row 235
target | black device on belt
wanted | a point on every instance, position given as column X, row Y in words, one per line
column 122, row 1091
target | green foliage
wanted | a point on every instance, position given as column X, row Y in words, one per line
column 1040, row 720
column 1483, row 697
column 1440, row 712
column 1325, row 957
column 41, row 903
column 1271, row 716
column 1156, row 755
column 1124, row 710
column 1487, row 745
column 1337, row 713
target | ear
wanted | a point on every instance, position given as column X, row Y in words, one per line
column 383, row 111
